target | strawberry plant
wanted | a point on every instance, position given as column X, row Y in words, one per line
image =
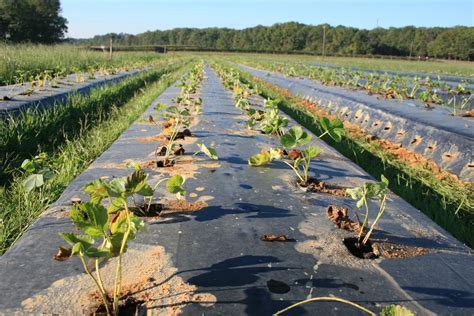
column 362, row 195
column 106, row 231
column 299, row 160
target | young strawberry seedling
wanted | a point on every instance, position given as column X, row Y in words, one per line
column 362, row 195
column 107, row 231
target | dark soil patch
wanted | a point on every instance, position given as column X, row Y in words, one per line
column 143, row 210
column 164, row 163
column 177, row 206
column 127, row 307
column 468, row 114
column 387, row 249
column 317, row 186
column 271, row 237
column 360, row 251
column 383, row 249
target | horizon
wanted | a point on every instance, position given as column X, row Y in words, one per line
column 107, row 16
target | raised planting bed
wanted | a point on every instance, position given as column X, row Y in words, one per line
column 218, row 258
column 442, row 138
column 455, row 98
column 14, row 98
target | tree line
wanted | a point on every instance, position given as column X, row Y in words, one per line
column 34, row 21
column 453, row 43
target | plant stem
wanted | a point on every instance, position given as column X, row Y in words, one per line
column 366, row 205
column 326, row 298
column 101, row 291
column 295, row 170
column 381, row 210
column 118, row 273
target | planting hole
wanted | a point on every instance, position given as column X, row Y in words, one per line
column 360, row 251
column 449, row 156
column 388, row 127
column 416, row 141
column 130, row 306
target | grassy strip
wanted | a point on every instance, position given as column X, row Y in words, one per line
column 448, row 204
column 18, row 209
column 43, row 130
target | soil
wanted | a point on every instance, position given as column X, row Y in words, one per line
column 162, row 151
column 360, row 251
column 174, row 206
column 165, row 163
column 339, row 216
column 179, row 151
column 182, row 135
column 468, row 114
column 271, row 237
column 155, row 210
column 128, row 306
column 383, row 249
column 317, row 186
column 387, row 249
column 148, row 277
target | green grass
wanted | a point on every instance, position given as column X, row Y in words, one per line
column 18, row 209
column 33, row 59
column 462, row 68
column 448, row 204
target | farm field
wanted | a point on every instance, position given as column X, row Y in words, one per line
column 437, row 67
column 210, row 183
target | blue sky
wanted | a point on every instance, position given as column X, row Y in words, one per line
column 92, row 17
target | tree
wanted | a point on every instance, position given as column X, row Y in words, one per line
column 455, row 42
column 36, row 21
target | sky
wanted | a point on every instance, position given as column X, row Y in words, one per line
column 93, row 17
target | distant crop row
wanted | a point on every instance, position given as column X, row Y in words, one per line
column 26, row 63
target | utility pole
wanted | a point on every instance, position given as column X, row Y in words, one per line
column 324, row 37
column 110, row 49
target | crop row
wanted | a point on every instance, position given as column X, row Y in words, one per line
column 444, row 198
column 61, row 141
column 36, row 64
column 430, row 92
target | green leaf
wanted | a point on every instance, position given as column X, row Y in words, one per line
column 97, row 190
column 174, row 185
column 275, row 153
column 263, row 158
column 396, row 310
column 208, row 151
column 93, row 252
column 116, row 205
column 311, row 152
column 116, row 187
column 136, row 183
column 354, row 193
column 334, row 128
column 29, row 166
column 73, row 239
column 91, row 218
column 33, row 181
column 133, row 164
column 119, row 223
column 295, row 137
